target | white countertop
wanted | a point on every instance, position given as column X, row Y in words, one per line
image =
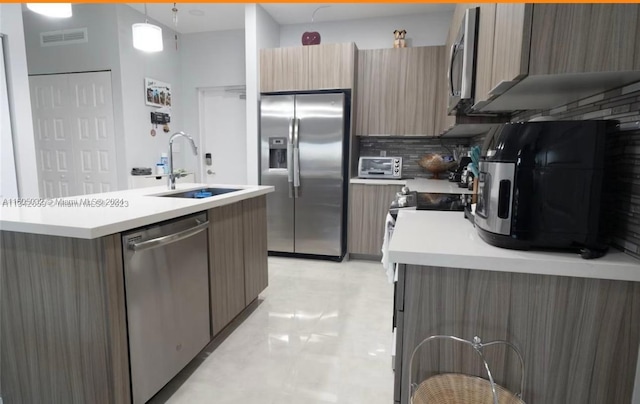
column 447, row 239
column 418, row 184
column 142, row 208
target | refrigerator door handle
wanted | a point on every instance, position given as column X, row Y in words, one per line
column 290, row 158
column 296, row 158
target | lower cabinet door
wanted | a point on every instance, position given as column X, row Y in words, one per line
column 226, row 264
column 367, row 216
column 255, row 247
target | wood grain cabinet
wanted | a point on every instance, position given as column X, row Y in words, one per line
column 545, row 55
column 63, row 331
column 399, row 90
column 284, row 69
column 578, row 336
column 237, row 258
column 254, row 222
column 314, row 67
column 369, row 208
column 226, row 264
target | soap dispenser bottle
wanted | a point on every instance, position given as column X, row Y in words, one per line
column 164, row 159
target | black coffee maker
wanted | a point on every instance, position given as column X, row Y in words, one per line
column 456, row 176
column 540, row 186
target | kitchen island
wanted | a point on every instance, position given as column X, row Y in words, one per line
column 576, row 322
column 63, row 315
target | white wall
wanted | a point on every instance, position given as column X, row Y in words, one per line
column 209, row 59
column 141, row 149
column 110, row 47
column 261, row 31
column 11, row 25
column 8, row 179
column 99, row 53
column 373, row 33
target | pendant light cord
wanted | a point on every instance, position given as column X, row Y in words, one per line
column 313, row 16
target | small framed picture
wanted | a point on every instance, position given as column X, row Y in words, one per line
column 157, row 93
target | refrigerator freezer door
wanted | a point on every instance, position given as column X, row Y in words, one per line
column 318, row 208
column 276, row 114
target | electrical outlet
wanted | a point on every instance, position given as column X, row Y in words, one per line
column 383, row 153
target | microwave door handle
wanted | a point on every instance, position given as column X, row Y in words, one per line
column 296, row 158
column 290, row 159
column 450, row 72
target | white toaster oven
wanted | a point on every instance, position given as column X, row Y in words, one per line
column 380, row 167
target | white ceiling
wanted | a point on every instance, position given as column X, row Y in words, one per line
column 222, row 16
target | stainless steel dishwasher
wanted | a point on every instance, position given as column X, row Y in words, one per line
column 167, row 293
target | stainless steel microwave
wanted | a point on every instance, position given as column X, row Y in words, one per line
column 380, row 167
column 462, row 60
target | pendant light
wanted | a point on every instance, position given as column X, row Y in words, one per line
column 54, row 10
column 147, row 37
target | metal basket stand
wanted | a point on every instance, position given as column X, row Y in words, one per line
column 441, row 386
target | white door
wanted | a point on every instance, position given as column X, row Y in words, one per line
column 74, row 133
column 93, row 132
column 223, row 130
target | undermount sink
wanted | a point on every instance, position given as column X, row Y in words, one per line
column 201, row 193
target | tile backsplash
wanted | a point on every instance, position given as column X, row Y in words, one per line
column 411, row 149
column 622, row 184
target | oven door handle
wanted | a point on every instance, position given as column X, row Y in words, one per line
column 168, row 239
column 450, row 72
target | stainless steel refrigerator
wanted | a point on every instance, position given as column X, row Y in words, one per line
column 304, row 149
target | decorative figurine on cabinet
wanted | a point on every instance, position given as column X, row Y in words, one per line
column 399, row 42
column 313, row 37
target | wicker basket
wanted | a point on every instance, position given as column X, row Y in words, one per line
column 456, row 388
column 435, row 164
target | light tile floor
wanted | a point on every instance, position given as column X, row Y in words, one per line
column 322, row 334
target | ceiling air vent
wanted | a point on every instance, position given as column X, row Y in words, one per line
column 64, row 37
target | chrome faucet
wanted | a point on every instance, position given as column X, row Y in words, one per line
column 172, row 176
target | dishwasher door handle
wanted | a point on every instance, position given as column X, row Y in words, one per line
column 168, row 239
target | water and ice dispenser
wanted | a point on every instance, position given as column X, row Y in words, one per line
column 277, row 152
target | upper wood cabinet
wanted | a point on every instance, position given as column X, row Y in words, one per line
column 331, row 66
column 284, row 69
column 546, row 55
column 398, row 91
column 314, row 67
column 584, row 38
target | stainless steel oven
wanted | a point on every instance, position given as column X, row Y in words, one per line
column 462, row 60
